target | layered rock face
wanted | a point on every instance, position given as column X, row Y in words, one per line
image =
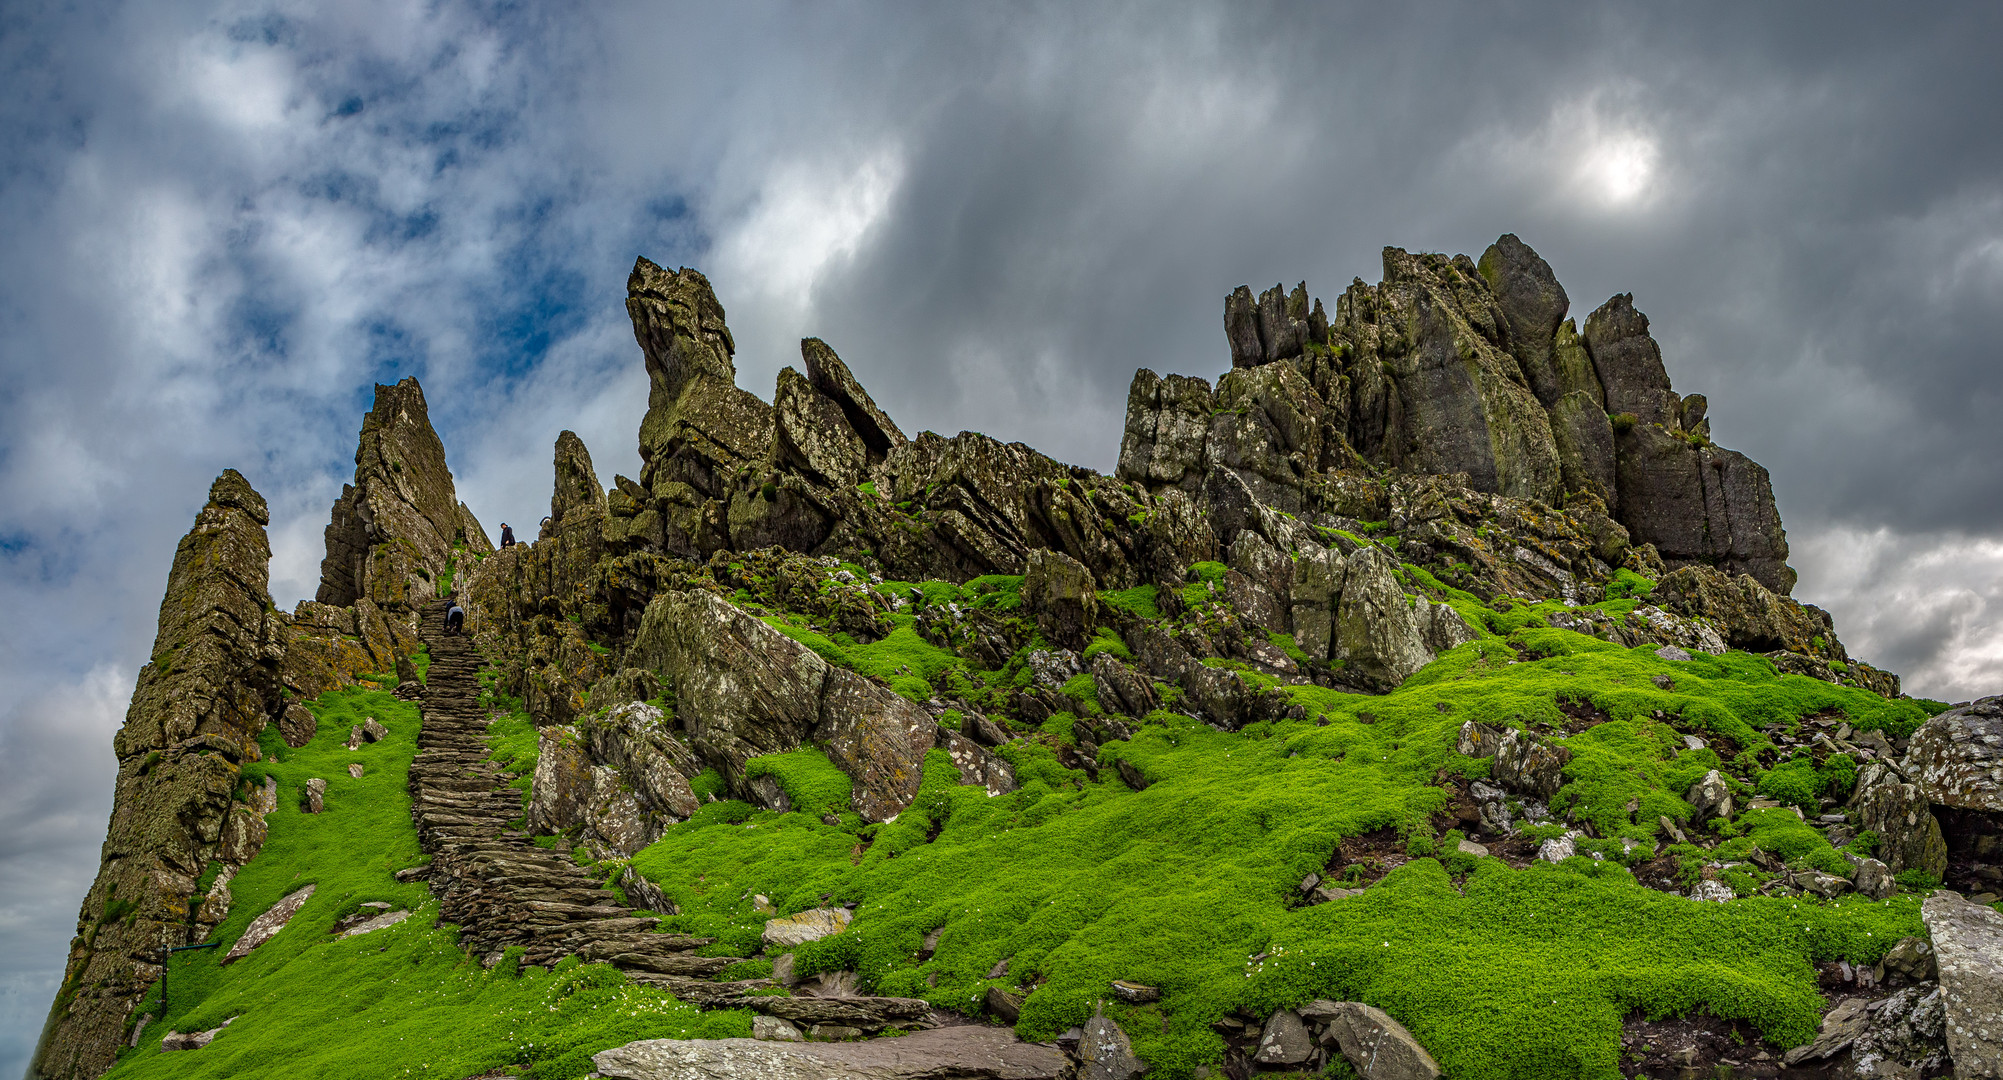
column 195, row 716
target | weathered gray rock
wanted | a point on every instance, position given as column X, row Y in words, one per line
column 1433, row 389
column 1104, row 1053
column 192, row 1040
column 1909, row 836
column 373, row 923
column 1167, row 428
column 1378, row 631
column 297, row 725
column 1956, row 758
column 1533, row 766
column 1534, row 304
column 773, row 1029
column 792, row 931
column 1710, row 797
column 1378, row 1047
column 1910, row 959
column 1584, row 437
column 832, row 377
column 744, row 689
column 1285, row 1040
column 978, row 767
column 1629, row 363
column 266, row 926
column 1700, row 504
column 1968, row 943
column 1121, row 688
column 962, row 1053
column 1874, row 879
column 837, row 1003
column 313, row 797
column 1058, row 592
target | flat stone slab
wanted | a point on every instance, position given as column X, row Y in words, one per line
column 961, row 1053
column 376, row 923
column 266, row 926
column 1968, row 946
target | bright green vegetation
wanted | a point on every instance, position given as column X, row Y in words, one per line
column 513, row 737
column 1628, row 585
column 1139, row 600
column 811, row 782
column 399, row 1002
column 1511, row 973
column 445, row 578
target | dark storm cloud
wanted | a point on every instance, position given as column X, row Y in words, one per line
column 221, row 223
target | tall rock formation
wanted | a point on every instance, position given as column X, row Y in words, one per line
column 398, row 525
column 194, row 720
column 395, row 534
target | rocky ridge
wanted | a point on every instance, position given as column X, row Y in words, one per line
column 1447, row 463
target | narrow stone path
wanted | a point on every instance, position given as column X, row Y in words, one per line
column 493, row 880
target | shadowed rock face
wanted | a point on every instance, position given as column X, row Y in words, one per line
column 193, row 722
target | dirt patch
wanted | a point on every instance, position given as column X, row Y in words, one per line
column 1580, row 715
column 1362, row 859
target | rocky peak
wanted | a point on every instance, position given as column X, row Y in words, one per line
column 680, row 326
column 395, row 528
column 1533, row 304
column 830, row 376
column 200, row 703
column 1629, row 363
column 576, row 481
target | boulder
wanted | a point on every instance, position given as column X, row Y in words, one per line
column 1956, row 758
column 773, row 1029
column 1104, row 1053
column 1710, row 797
column 1058, row 592
column 192, row 1040
column 1121, row 689
column 1909, row 836
column 1378, row 629
column 978, row 766
column 1285, row 1040
column 1530, row 765
column 1874, row 879
column 313, row 797
column 792, row 931
column 297, row 725
column 266, row 926
column 1378, row 1047
column 1968, row 946
column 969, row 1052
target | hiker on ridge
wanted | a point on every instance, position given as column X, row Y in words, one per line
column 507, row 536
column 455, row 619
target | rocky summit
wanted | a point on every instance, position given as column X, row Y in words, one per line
column 1423, row 696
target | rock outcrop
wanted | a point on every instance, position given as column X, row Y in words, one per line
column 743, row 689
column 202, row 699
column 1956, row 758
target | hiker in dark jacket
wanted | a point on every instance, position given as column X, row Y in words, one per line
column 507, row 536
column 455, row 619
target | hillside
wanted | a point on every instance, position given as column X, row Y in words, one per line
column 1425, row 697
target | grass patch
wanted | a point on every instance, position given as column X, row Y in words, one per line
column 811, row 782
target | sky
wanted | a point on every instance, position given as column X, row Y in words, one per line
column 221, row 224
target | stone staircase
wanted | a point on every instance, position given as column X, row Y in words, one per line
column 503, row 890
column 493, row 880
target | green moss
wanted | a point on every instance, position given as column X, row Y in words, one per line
column 1628, row 585
column 1138, row 601
column 1285, row 643
column 1107, row 641
column 810, row 780
column 1082, row 689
